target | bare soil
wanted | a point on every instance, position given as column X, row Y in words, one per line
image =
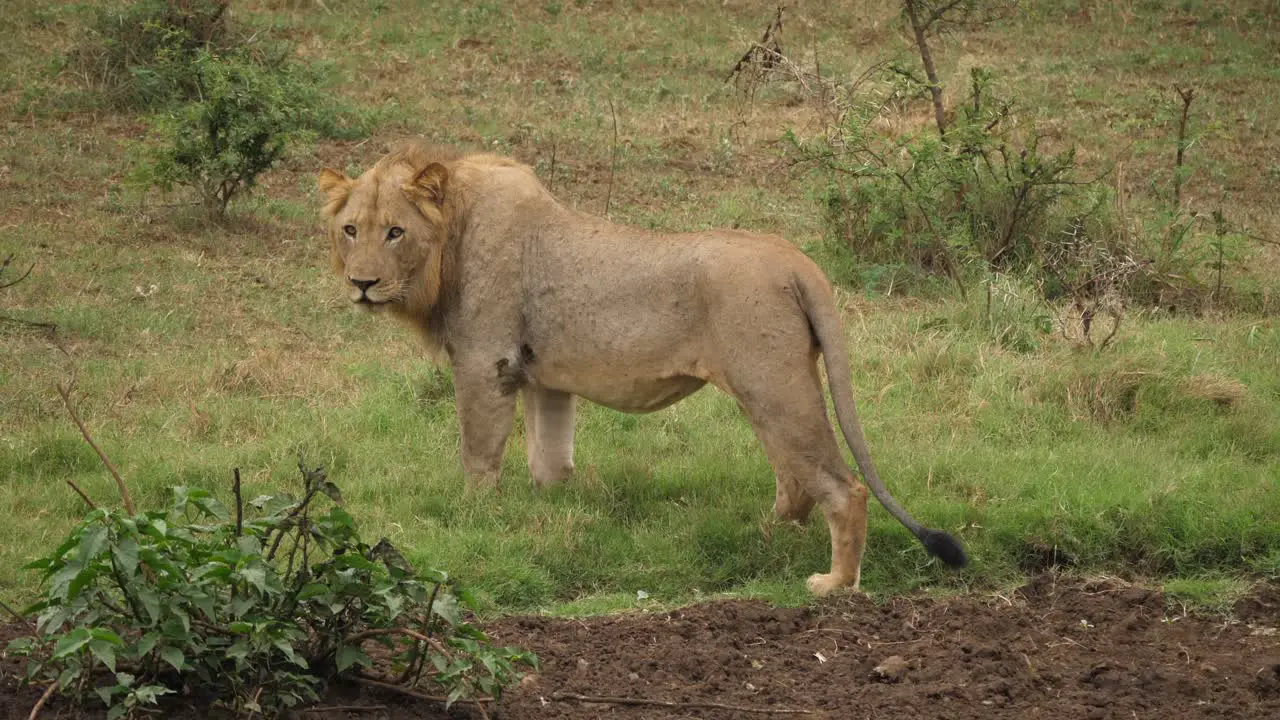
column 1050, row 650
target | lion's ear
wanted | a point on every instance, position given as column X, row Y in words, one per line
column 337, row 186
column 429, row 185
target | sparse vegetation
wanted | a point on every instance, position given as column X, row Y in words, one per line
column 986, row 190
column 206, row 348
column 140, row 52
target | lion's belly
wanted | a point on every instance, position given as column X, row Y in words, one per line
column 626, row 389
column 643, row 397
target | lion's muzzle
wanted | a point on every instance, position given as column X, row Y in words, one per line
column 360, row 291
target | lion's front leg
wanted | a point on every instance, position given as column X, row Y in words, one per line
column 486, row 411
column 548, row 430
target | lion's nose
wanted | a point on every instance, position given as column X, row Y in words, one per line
column 364, row 285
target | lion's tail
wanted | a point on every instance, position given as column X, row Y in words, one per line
column 820, row 308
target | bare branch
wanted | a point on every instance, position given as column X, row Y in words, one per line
column 80, row 492
column 561, row 695
column 24, row 275
column 43, row 699
column 65, row 392
column 613, row 158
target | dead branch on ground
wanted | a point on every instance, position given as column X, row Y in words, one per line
column 65, row 392
column 560, row 695
column 1187, row 96
column 613, row 158
column 51, row 328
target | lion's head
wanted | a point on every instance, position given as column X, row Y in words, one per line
column 389, row 230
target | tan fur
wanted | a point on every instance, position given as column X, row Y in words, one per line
column 525, row 294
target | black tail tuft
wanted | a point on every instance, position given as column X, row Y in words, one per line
column 944, row 547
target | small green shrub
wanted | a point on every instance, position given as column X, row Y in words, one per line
column 255, row 612
column 239, row 128
column 983, row 194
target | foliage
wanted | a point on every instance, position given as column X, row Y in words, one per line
column 137, row 53
column 984, row 193
column 255, row 612
column 226, row 104
column 994, row 196
column 239, row 128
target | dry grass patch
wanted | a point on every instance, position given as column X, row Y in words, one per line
column 1225, row 392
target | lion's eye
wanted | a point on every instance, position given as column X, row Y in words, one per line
column 350, row 230
column 395, row 233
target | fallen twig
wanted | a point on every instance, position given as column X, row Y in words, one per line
column 613, row 158
column 80, row 492
column 16, row 615
column 35, row 710
column 65, row 392
column 410, row 692
column 559, row 695
column 344, row 708
column 11, row 283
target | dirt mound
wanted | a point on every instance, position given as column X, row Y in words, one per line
column 1097, row 650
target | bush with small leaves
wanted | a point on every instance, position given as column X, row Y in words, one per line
column 253, row 612
column 241, row 126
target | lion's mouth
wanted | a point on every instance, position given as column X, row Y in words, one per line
column 363, row 298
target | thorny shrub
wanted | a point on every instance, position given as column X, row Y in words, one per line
column 253, row 612
column 993, row 197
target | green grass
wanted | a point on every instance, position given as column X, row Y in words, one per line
column 1157, row 459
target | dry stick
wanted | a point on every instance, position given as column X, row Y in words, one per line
column 551, row 183
column 559, row 695
column 613, row 158
column 83, row 497
column 1187, row 96
column 239, row 503
column 344, row 708
column 414, row 693
column 16, row 615
column 65, row 392
column 43, row 699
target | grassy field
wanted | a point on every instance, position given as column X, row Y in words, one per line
column 202, row 348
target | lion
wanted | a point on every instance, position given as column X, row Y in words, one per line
column 528, row 297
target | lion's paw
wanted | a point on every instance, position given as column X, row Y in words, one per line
column 821, row 584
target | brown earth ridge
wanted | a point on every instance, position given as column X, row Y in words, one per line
column 1052, row 649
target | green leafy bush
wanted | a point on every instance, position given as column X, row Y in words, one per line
column 982, row 195
column 255, row 612
column 994, row 197
column 241, row 126
column 227, row 103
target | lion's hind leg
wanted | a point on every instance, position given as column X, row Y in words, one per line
column 548, row 429
column 789, row 417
